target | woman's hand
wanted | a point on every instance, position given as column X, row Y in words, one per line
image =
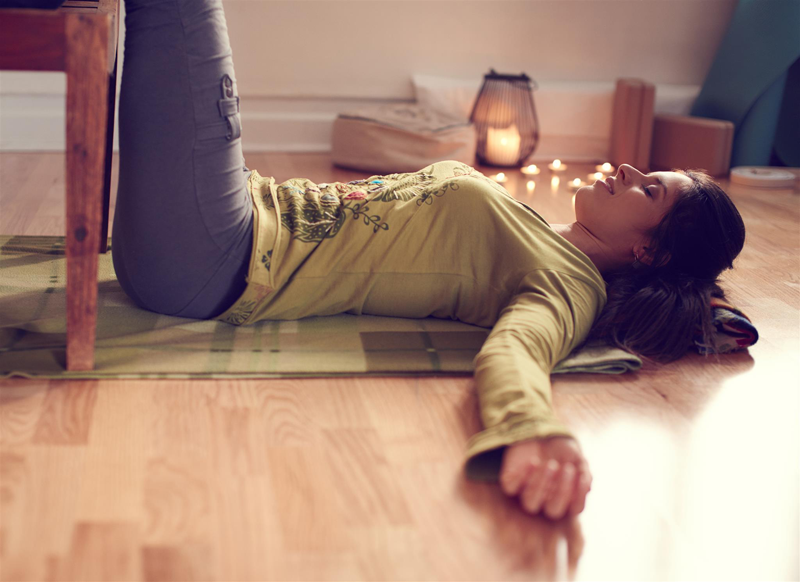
column 548, row 474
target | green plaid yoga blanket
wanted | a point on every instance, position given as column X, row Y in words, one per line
column 135, row 343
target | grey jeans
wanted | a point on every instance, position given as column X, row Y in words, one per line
column 183, row 223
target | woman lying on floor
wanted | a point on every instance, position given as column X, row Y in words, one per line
column 198, row 235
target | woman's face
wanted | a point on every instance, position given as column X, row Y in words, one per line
column 621, row 212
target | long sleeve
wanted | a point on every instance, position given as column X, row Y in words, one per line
column 550, row 314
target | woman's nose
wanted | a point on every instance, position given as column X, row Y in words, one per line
column 626, row 171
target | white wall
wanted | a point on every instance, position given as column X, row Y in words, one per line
column 300, row 62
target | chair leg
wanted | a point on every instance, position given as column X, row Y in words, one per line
column 87, row 102
column 109, row 152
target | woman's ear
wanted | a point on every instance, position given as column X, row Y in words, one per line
column 646, row 256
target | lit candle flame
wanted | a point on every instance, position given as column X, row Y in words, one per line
column 576, row 181
column 556, row 163
column 606, row 167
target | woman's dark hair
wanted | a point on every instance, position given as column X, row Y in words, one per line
column 655, row 310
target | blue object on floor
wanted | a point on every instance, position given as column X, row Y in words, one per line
column 746, row 82
column 787, row 140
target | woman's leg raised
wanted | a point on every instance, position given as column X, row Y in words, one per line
column 183, row 221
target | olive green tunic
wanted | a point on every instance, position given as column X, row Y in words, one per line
column 445, row 242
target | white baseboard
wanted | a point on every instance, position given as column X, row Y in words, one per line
column 36, row 122
column 41, row 127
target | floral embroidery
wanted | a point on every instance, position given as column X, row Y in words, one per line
column 265, row 259
column 465, row 170
column 241, row 313
column 403, row 186
column 428, row 196
column 310, row 215
column 375, row 219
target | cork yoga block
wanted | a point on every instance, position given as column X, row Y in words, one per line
column 632, row 123
column 685, row 142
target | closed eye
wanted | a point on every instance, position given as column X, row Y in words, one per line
column 660, row 183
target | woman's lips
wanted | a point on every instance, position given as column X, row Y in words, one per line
column 606, row 184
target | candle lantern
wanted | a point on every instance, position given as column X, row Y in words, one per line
column 505, row 119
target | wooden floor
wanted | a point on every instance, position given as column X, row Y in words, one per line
column 695, row 464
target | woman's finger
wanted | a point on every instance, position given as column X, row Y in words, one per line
column 513, row 480
column 561, row 497
column 581, row 490
column 538, row 486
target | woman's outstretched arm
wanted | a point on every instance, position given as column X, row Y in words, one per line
column 548, row 317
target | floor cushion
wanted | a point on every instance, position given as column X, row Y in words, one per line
column 400, row 137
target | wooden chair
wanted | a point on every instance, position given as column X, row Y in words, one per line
column 79, row 38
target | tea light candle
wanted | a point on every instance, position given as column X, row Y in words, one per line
column 577, row 183
column 502, row 146
column 557, row 166
column 531, row 185
column 531, row 170
column 605, row 168
column 597, row 176
column 501, row 177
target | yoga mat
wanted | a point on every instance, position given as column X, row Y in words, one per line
column 747, row 78
column 135, row 343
